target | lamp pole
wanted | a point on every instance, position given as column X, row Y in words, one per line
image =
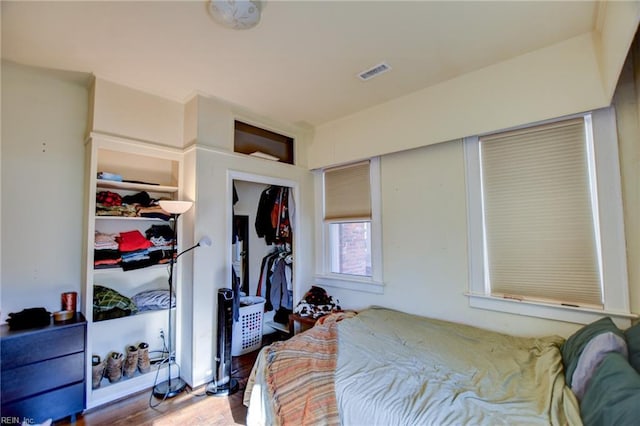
column 171, row 387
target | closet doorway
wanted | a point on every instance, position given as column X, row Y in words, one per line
column 262, row 243
column 240, row 252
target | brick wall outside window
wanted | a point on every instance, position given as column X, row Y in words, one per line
column 355, row 256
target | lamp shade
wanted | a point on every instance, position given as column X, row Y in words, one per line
column 174, row 206
column 235, row 14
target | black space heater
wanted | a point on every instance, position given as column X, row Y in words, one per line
column 222, row 383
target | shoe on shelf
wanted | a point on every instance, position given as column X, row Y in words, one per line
column 131, row 362
column 114, row 367
column 144, row 364
column 97, row 367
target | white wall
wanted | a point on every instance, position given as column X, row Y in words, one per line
column 210, row 122
column 215, row 169
column 470, row 104
column 44, row 116
column 423, row 193
column 573, row 76
column 210, row 168
column 424, row 225
column 614, row 33
column 123, row 111
column 627, row 104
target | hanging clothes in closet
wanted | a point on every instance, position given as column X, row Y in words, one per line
column 235, row 279
column 275, row 283
column 275, row 209
column 273, row 223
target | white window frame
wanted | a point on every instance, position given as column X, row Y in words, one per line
column 324, row 276
column 612, row 239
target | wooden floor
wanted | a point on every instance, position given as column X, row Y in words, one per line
column 192, row 407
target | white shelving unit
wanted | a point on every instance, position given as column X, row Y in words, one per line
column 127, row 186
column 159, row 168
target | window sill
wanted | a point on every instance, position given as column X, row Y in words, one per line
column 351, row 283
column 548, row 311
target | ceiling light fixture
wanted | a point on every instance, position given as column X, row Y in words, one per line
column 236, row 14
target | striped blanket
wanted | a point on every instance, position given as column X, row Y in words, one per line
column 300, row 375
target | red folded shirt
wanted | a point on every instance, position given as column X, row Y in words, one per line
column 132, row 241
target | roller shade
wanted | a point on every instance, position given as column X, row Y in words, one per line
column 347, row 192
column 539, row 221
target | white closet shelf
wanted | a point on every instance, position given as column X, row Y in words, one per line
column 118, row 269
column 108, row 392
column 149, row 312
column 111, row 184
column 277, row 326
column 155, row 219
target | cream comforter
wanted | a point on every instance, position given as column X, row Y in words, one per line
column 399, row 369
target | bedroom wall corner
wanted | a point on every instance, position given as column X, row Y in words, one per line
column 627, row 104
column 616, row 26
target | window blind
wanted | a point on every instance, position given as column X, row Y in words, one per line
column 347, row 192
column 539, row 222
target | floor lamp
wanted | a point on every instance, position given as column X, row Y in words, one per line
column 173, row 386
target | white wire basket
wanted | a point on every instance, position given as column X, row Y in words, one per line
column 247, row 331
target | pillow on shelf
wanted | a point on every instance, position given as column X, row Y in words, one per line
column 584, row 350
column 612, row 395
column 632, row 335
column 153, row 299
column 112, row 313
column 105, row 299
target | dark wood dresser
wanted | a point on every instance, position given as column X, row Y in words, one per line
column 43, row 371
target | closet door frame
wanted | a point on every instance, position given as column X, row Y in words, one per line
column 266, row 180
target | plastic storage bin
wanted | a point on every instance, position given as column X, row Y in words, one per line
column 247, row 331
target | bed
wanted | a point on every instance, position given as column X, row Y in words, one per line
column 385, row 367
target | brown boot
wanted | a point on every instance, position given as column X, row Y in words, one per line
column 144, row 364
column 97, row 371
column 114, row 367
column 131, row 362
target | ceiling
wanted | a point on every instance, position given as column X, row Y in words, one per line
column 299, row 64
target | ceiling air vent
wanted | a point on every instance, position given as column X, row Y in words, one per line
column 372, row 72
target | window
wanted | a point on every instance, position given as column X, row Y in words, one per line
column 545, row 220
column 350, row 234
column 350, row 245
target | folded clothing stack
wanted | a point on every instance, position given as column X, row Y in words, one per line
column 29, row 318
column 110, row 176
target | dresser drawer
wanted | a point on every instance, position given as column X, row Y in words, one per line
column 55, row 405
column 32, row 347
column 42, row 376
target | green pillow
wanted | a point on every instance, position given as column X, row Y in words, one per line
column 633, row 344
column 105, row 299
column 573, row 347
column 613, row 394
